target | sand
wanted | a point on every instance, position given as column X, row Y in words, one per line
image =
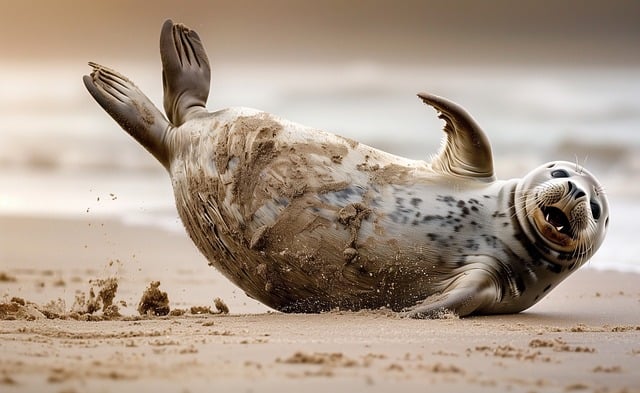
column 584, row 337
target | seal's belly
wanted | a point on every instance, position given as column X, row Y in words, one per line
column 308, row 221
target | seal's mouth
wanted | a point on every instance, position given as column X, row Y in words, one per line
column 557, row 219
column 554, row 225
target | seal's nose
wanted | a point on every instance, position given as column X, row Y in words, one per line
column 575, row 191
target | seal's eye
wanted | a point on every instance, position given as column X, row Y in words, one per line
column 559, row 173
column 595, row 210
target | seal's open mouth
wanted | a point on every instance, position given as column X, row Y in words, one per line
column 557, row 219
column 553, row 224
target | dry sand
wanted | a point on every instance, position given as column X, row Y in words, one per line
column 584, row 337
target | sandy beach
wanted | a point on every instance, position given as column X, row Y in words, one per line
column 89, row 233
column 585, row 336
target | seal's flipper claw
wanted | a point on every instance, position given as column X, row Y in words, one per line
column 466, row 151
column 128, row 106
column 186, row 74
column 459, row 302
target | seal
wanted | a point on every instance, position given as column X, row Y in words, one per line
column 308, row 221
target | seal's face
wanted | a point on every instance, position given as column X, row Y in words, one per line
column 567, row 208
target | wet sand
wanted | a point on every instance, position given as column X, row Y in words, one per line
column 585, row 336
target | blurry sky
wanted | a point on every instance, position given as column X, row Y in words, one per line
column 586, row 32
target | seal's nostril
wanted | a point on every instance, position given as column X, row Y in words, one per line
column 575, row 191
column 595, row 212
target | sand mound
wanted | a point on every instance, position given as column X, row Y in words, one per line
column 99, row 304
column 154, row 301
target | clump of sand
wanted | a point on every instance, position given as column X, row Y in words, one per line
column 100, row 298
column 154, row 301
column 219, row 305
column 18, row 309
column 99, row 304
column 106, row 293
column 322, row 358
column 5, row 277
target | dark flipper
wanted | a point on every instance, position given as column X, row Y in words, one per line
column 466, row 151
column 186, row 74
column 128, row 106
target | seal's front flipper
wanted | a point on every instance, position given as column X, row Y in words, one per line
column 128, row 106
column 186, row 74
column 468, row 294
column 466, row 151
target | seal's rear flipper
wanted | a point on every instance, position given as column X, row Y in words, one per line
column 472, row 291
column 128, row 106
column 186, row 74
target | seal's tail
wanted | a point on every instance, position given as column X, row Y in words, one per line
column 128, row 106
column 186, row 73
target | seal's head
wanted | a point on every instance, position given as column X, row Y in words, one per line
column 566, row 211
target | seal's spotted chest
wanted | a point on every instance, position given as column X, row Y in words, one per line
column 307, row 221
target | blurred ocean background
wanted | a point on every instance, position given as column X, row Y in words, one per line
column 545, row 81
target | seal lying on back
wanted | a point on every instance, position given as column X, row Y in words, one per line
column 307, row 221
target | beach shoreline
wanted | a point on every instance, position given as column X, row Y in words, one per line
column 584, row 336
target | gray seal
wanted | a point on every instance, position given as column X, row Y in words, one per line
column 308, row 221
